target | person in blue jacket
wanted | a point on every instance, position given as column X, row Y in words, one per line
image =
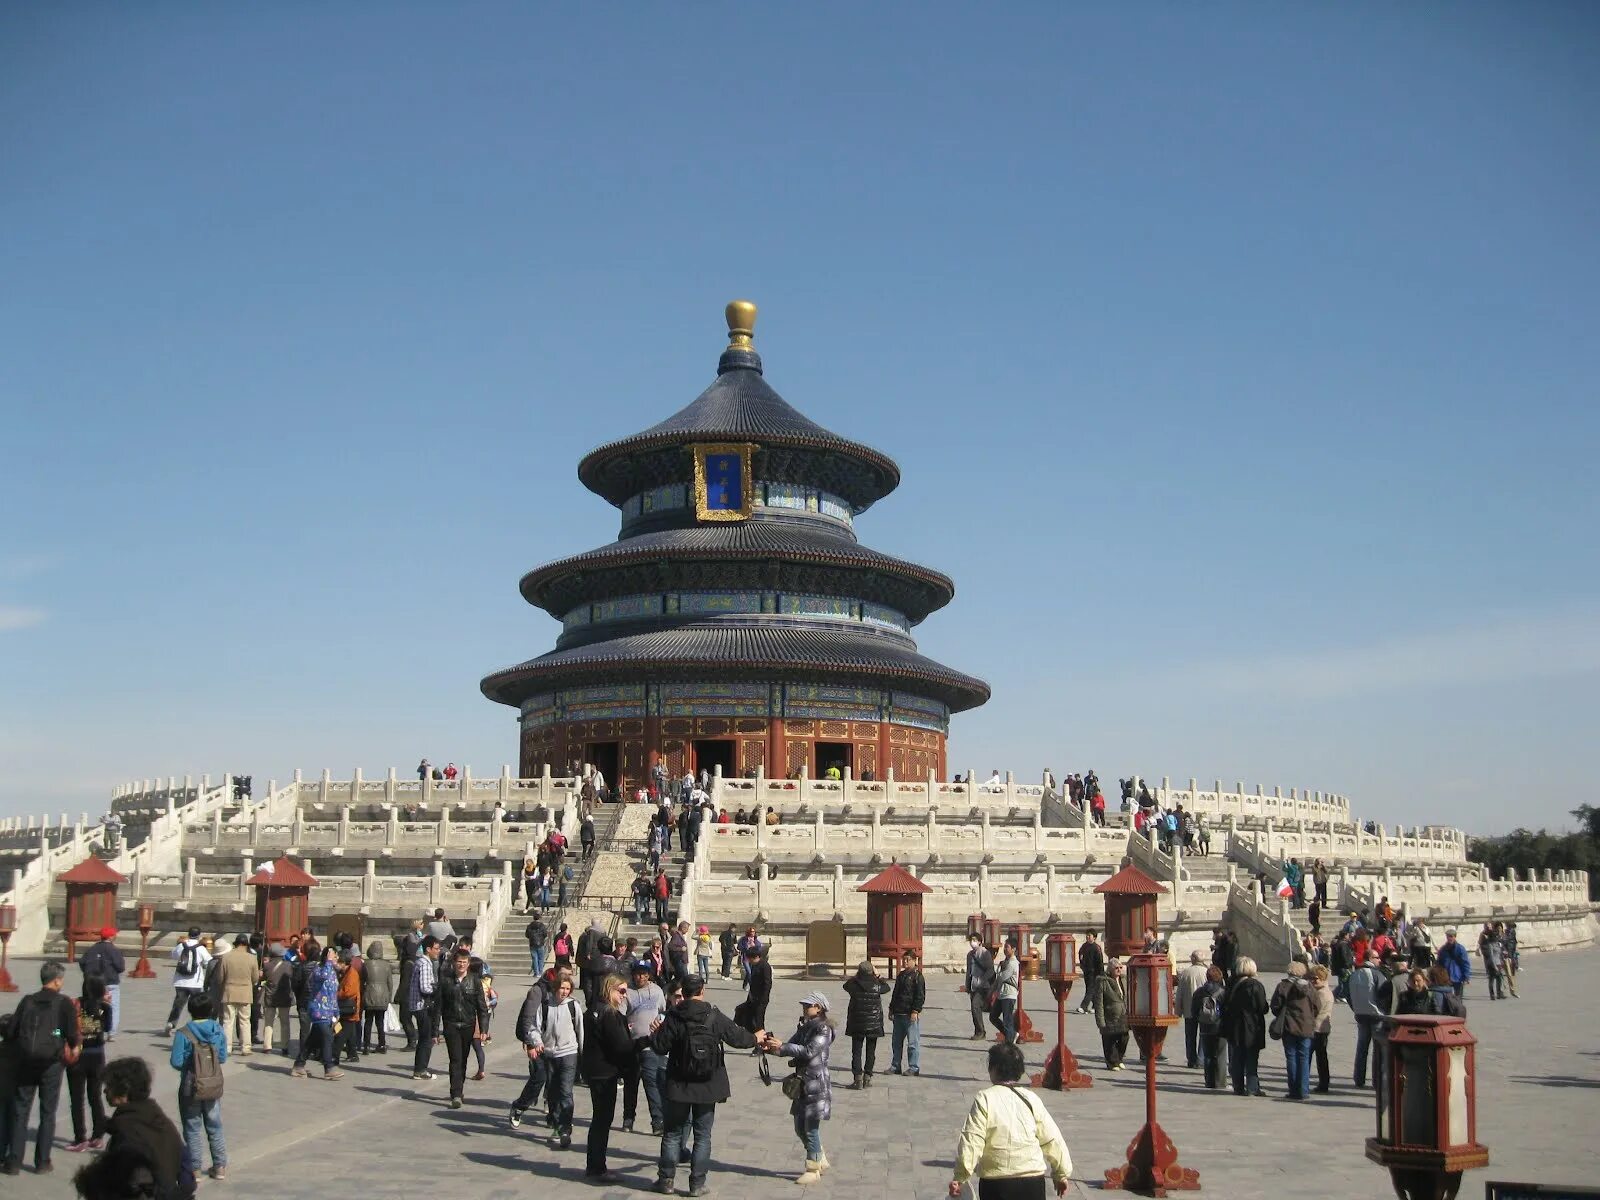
column 1453, row 957
column 195, row 1114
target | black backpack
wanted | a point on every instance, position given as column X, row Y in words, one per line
column 700, row 1055
column 189, row 958
column 36, row 1033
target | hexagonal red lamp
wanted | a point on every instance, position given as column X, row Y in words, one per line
column 894, row 913
column 1130, row 909
column 283, row 898
column 1428, row 1129
column 91, row 901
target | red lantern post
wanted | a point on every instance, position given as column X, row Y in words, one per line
column 1428, row 1129
column 1152, row 1168
column 1061, row 969
column 991, row 936
column 8, row 926
column 147, row 922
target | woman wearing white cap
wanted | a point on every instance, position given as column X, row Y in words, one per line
column 807, row 1049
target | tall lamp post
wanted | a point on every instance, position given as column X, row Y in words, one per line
column 147, row 921
column 1061, row 969
column 1152, row 1168
column 8, row 926
column 1428, row 1122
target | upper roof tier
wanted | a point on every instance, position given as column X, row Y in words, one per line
column 739, row 406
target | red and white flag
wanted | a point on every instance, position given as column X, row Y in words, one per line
column 1284, row 890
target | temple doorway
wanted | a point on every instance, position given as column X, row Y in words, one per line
column 709, row 755
column 602, row 756
column 833, row 754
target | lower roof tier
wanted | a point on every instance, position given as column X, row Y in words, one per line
column 753, row 652
column 771, row 554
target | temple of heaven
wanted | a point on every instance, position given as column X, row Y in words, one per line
column 736, row 622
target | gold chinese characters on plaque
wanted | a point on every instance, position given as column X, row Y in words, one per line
column 723, row 489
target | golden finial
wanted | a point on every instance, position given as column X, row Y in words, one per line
column 741, row 316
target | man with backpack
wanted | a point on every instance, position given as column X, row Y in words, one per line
column 191, row 959
column 44, row 1025
column 1205, row 1008
column 198, row 1053
column 691, row 1038
column 105, row 960
column 663, row 893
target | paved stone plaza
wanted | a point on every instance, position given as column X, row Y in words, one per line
column 375, row 1134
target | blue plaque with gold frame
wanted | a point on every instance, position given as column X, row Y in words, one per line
column 723, row 489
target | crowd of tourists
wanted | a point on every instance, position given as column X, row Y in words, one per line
column 621, row 1020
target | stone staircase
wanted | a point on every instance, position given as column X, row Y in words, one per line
column 509, row 953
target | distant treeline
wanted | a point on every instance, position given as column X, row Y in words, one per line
column 1526, row 850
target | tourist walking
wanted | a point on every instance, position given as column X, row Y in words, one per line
column 43, row 1028
column 322, row 1010
column 978, row 983
column 608, row 1055
column 863, row 1022
column 1492, row 952
column 1361, row 991
column 420, row 1003
column 1454, row 959
column 557, row 1033
column 198, row 1053
column 646, row 1006
column 1188, row 983
column 1010, row 1143
column 105, row 960
column 1294, row 1011
column 905, row 1014
column 1205, row 1010
column 238, row 973
column 807, row 1050
column 347, row 1037
column 751, row 1014
column 1323, row 994
column 463, row 1009
column 702, row 952
column 527, row 1018
column 1007, row 976
column 377, row 993
column 691, row 1039
column 190, row 960
column 1420, row 943
column 84, row 1074
column 1244, row 1024
column 538, row 937
column 407, row 948
column 728, row 942
column 277, row 999
column 1111, row 1015
column 1091, row 965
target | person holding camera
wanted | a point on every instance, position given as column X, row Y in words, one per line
column 810, row 1090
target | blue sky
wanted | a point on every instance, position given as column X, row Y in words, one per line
column 1240, row 361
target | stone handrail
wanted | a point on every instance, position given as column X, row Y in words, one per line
column 927, row 840
column 1309, row 841
column 464, row 790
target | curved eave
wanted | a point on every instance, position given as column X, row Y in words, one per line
column 712, row 545
column 601, row 469
column 768, row 653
